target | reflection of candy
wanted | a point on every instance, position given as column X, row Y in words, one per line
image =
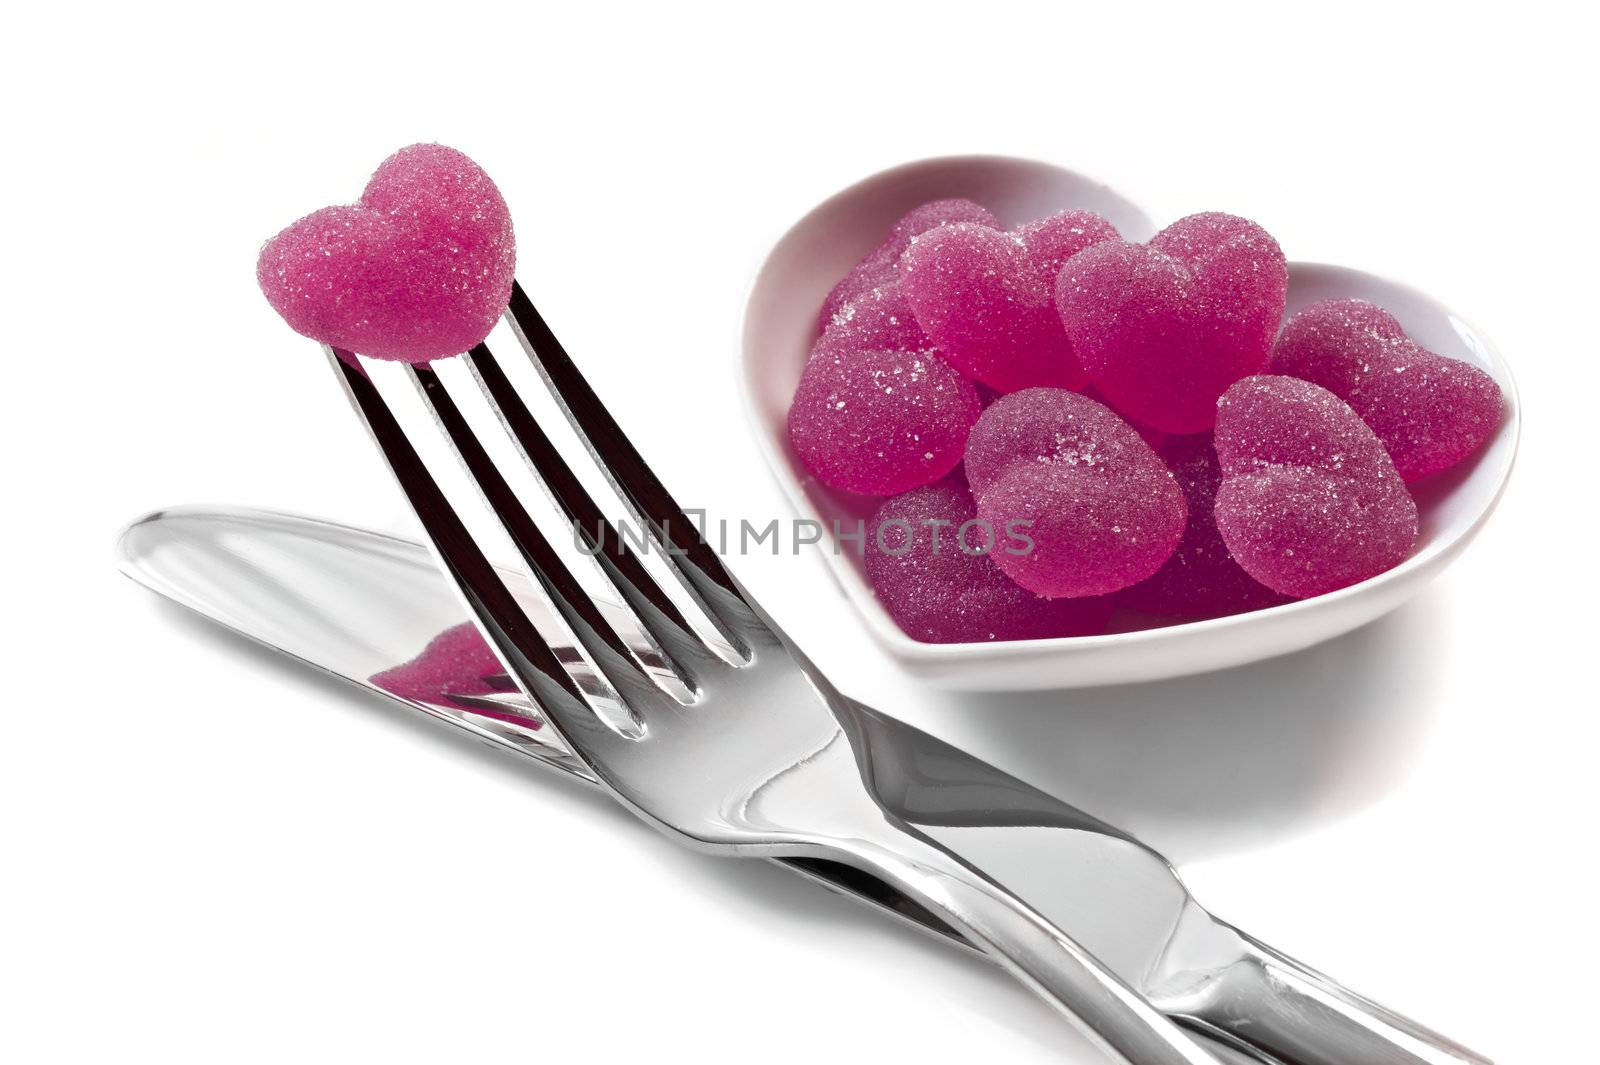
column 987, row 298
column 1200, row 579
column 456, row 669
column 939, row 593
column 1102, row 509
column 1310, row 500
column 1430, row 411
column 879, row 268
column 419, row 269
column 1163, row 328
column 879, row 422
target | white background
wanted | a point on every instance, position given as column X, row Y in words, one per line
column 213, row 856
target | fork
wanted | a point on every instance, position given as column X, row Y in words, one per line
column 746, row 749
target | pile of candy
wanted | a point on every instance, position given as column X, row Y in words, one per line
column 1066, row 422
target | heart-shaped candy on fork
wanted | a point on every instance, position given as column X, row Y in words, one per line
column 419, row 269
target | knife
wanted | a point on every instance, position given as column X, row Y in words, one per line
column 364, row 606
column 371, row 609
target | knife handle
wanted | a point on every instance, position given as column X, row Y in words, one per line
column 1297, row 1016
column 1038, row 953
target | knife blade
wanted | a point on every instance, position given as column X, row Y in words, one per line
column 363, row 606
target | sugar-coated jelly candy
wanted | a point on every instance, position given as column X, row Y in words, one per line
column 1201, row 579
column 1100, row 509
column 1152, row 436
column 879, row 318
column 419, row 269
column 929, row 561
column 880, row 266
column 1163, row 328
column 1310, row 500
column 1430, row 411
column 879, row 421
column 986, row 297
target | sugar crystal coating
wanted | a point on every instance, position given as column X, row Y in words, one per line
column 879, row 267
column 1431, row 412
column 879, row 318
column 420, row 268
column 986, row 297
column 1310, row 501
column 1053, row 427
column 1163, row 328
column 1201, row 579
column 880, row 421
column 1100, row 507
column 941, row 586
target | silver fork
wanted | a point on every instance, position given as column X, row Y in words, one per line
column 754, row 753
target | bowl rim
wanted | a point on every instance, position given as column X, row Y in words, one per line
column 884, row 628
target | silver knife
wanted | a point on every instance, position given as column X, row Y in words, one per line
column 372, row 609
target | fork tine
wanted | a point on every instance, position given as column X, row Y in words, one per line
column 492, row 603
column 615, row 660
column 691, row 557
column 536, row 668
column 652, row 606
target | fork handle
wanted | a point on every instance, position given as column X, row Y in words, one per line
column 1038, row 953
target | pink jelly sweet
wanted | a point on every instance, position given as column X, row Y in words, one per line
column 879, row 421
column 986, row 297
column 418, row 269
column 1310, row 500
column 1163, row 328
column 1152, row 436
column 880, row 266
column 1100, row 507
column 1430, row 411
column 929, row 562
column 1201, row 579
column 879, row 318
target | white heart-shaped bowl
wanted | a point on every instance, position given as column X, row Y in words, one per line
column 779, row 327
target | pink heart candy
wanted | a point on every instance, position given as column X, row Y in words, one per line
column 1430, row 411
column 877, row 412
column 1201, row 579
column 1099, row 507
column 930, row 563
column 880, row 267
column 418, row 269
column 1164, row 328
column 1310, row 501
column 877, row 319
column 985, row 297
